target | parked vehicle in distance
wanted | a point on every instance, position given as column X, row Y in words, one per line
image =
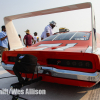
column 71, row 58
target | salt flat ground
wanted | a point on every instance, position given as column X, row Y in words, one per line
column 53, row 91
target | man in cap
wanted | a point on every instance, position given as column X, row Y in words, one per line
column 3, row 40
column 48, row 30
column 28, row 39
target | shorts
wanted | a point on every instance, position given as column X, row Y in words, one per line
column 3, row 49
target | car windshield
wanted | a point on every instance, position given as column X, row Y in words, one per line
column 69, row 36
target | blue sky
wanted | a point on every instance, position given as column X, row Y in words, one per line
column 74, row 20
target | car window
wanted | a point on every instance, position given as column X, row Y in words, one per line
column 50, row 38
column 69, row 36
column 65, row 36
column 81, row 36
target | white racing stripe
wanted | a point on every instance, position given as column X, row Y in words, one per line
column 53, row 45
column 89, row 49
column 46, row 46
column 66, row 47
column 50, row 45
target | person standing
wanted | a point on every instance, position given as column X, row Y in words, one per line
column 36, row 38
column 28, row 39
column 48, row 31
column 3, row 40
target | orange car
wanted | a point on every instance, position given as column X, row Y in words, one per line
column 72, row 58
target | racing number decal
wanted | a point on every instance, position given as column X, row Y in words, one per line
column 66, row 47
column 53, row 45
column 46, row 46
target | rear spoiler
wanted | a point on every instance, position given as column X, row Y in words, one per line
column 15, row 42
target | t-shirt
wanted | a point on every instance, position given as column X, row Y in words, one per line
column 48, row 29
column 36, row 38
column 28, row 39
column 3, row 43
